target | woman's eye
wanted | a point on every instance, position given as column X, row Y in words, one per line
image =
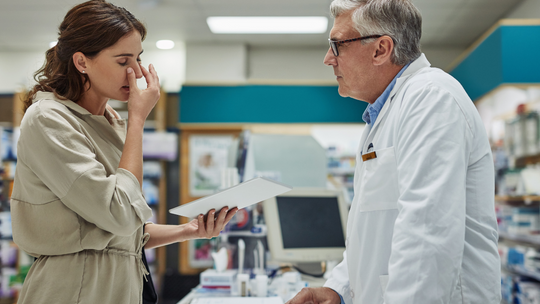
column 139, row 60
column 123, row 63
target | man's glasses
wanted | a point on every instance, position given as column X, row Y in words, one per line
column 334, row 44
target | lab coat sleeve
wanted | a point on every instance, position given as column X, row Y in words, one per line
column 57, row 150
column 339, row 280
column 432, row 148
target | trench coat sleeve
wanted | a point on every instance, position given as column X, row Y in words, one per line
column 57, row 150
column 339, row 280
column 432, row 154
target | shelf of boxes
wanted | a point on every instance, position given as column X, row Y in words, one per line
column 520, row 270
column 519, row 232
column 341, row 168
column 513, row 200
column 530, row 239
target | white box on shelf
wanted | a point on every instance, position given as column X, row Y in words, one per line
column 210, row 278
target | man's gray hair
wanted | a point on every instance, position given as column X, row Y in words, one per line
column 399, row 19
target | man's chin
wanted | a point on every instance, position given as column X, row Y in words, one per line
column 342, row 92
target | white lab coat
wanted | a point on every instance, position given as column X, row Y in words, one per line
column 422, row 226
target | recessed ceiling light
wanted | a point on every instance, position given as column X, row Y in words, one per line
column 52, row 43
column 267, row 25
column 165, row 44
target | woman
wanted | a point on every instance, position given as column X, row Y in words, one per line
column 77, row 204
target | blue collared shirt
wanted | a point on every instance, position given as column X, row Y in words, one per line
column 372, row 111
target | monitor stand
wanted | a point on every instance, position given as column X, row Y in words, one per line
column 310, row 268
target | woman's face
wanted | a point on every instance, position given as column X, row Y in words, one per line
column 107, row 71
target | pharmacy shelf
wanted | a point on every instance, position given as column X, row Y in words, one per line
column 520, row 270
column 516, row 200
column 244, row 233
column 340, row 171
column 531, row 239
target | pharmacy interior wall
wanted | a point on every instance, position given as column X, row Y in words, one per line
column 268, row 104
column 507, row 55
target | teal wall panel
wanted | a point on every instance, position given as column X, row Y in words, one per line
column 521, row 54
column 268, row 104
column 482, row 70
column 508, row 55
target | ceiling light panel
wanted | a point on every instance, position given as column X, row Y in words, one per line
column 165, row 44
column 267, row 25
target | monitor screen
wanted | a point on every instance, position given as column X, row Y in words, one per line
column 308, row 222
column 306, row 225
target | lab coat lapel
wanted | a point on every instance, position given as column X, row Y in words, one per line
column 413, row 69
column 380, row 119
column 363, row 147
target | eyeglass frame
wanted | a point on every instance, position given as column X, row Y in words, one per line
column 334, row 44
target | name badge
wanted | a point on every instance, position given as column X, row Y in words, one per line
column 368, row 156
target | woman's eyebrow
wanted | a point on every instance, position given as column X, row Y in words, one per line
column 128, row 54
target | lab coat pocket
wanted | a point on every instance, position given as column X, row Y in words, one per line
column 384, row 281
column 379, row 186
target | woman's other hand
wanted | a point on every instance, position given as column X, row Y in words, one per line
column 207, row 227
column 141, row 102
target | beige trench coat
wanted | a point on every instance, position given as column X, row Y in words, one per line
column 74, row 209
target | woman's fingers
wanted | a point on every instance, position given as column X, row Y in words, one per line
column 230, row 215
column 150, row 75
column 220, row 223
column 210, row 223
column 147, row 76
column 201, row 229
column 210, row 226
column 154, row 73
column 132, row 80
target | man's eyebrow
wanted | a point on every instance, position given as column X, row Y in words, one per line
column 335, row 37
column 128, row 55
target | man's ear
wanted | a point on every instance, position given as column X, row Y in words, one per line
column 383, row 50
column 80, row 61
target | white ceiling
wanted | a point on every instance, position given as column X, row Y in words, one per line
column 29, row 25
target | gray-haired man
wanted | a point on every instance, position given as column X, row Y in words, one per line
column 422, row 226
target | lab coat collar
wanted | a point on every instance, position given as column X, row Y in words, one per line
column 420, row 63
column 413, row 68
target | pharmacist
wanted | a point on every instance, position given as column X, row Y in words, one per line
column 422, row 227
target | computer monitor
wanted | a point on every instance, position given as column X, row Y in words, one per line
column 306, row 225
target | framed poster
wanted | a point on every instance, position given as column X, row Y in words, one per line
column 208, row 156
column 195, row 142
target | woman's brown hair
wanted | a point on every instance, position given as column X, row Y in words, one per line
column 89, row 27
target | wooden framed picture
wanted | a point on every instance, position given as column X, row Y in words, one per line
column 203, row 154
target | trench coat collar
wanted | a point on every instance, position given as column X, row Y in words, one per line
column 68, row 103
column 112, row 115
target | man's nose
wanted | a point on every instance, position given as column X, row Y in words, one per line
column 329, row 58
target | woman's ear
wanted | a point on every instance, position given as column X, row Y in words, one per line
column 80, row 61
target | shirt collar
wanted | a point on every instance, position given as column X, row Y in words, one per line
column 373, row 110
column 74, row 106
column 68, row 103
